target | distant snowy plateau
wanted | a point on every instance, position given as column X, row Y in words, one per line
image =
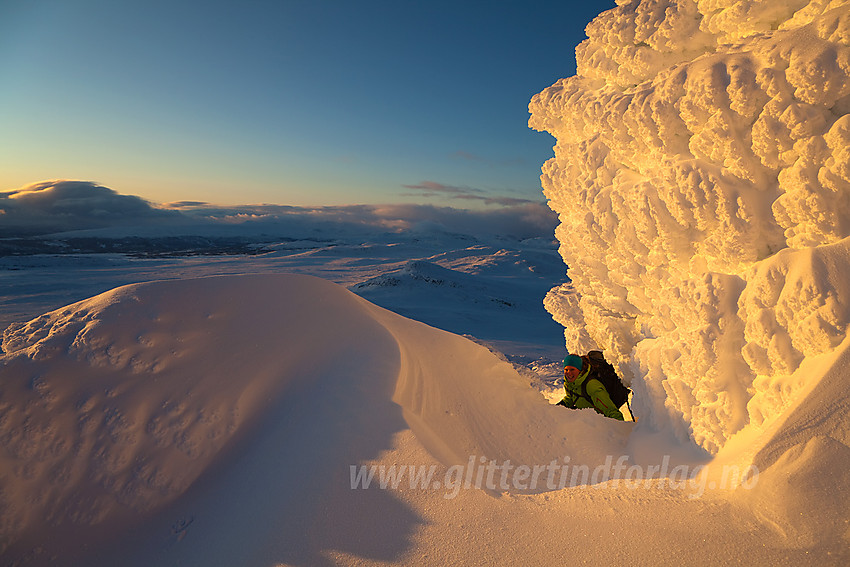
column 492, row 290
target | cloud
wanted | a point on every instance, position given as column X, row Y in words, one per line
column 469, row 156
column 473, row 157
column 523, row 220
column 54, row 206
column 177, row 205
column 433, row 189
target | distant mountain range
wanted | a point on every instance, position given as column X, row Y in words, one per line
column 142, row 247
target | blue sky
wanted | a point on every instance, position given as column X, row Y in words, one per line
column 289, row 102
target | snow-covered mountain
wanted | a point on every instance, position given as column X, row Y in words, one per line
column 168, row 401
column 238, row 420
column 483, row 289
column 374, row 395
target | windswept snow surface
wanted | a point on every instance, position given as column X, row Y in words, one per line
column 702, row 180
column 119, row 403
column 222, row 421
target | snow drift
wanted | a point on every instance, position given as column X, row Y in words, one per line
column 219, row 420
column 702, row 179
column 115, row 406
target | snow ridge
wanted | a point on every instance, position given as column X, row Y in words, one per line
column 115, row 406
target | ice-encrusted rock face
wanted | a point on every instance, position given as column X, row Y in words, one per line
column 702, row 180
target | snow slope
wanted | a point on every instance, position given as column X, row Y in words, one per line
column 121, row 402
column 214, row 421
column 515, row 274
column 492, row 302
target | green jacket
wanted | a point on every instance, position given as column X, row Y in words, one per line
column 601, row 400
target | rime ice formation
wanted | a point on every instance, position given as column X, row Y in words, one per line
column 702, row 179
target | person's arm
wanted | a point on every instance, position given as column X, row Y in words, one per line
column 569, row 399
column 602, row 401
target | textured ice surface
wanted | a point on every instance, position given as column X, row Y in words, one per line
column 702, row 179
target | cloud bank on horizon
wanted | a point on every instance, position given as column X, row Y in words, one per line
column 56, row 206
column 702, row 180
column 64, row 205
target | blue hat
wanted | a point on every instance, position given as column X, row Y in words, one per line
column 573, row 360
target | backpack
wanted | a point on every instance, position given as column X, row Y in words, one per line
column 601, row 370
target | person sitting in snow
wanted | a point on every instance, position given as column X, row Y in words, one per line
column 583, row 390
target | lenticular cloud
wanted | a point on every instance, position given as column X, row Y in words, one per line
column 702, row 179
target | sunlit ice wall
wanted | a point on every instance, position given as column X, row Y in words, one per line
column 702, row 180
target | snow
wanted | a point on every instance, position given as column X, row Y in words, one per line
column 701, row 181
column 214, row 421
column 228, row 410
